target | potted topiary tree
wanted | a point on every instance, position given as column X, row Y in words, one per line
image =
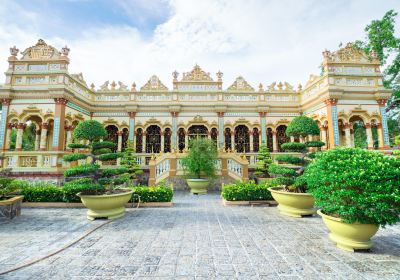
column 129, row 160
column 357, row 191
column 103, row 199
column 291, row 190
column 199, row 162
column 263, row 161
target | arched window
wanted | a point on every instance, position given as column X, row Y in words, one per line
column 281, row 136
column 125, row 137
column 112, row 135
column 139, row 140
column 197, row 131
column 167, row 140
column 256, row 139
column 228, row 139
column 214, row 135
column 270, row 138
column 153, row 139
column 242, row 139
column 181, row 139
column 360, row 134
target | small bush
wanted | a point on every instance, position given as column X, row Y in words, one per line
column 288, row 159
column 281, row 170
column 70, row 189
column 42, row 192
column 294, row 146
column 247, row 191
column 282, row 181
column 314, row 144
column 153, row 194
column 356, row 185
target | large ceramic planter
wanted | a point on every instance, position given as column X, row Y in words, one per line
column 110, row 206
column 293, row 204
column 10, row 208
column 349, row 237
column 198, row 186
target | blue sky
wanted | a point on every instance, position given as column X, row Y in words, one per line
column 263, row 41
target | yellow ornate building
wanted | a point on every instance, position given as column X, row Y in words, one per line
column 40, row 91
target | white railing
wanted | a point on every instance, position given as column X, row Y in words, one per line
column 235, row 169
column 33, row 160
column 162, row 168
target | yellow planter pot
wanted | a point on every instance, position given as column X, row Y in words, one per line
column 349, row 237
column 294, row 204
column 106, row 206
column 198, row 186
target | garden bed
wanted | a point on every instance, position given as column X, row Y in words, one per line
column 80, row 205
column 248, row 193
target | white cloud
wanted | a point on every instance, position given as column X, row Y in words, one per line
column 262, row 40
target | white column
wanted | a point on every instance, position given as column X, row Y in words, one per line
column 186, row 141
column 119, row 146
column 20, row 132
column 37, row 140
column 43, row 137
column 323, row 137
column 347, row 134
column 162, row 142
column 144, row 142
column 370, row 140
column 380, row 136
column 251, row 137
column 8, row 137
column 69, row 137
column 301, row 139
column 274, row 142
column 291, row 138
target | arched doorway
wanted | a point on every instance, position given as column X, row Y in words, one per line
column 281, row 136
column 139, row 140
column 125, row 137
column 181, row 139
column 242, row 139
column 153, row 139
column 359, row 132
column 214, row 135
column 167, row 140
column 112, row 135
column 228, row 139
column 270, row 140
column 196, row 131
column 256, row 140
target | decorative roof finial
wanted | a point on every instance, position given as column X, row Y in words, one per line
column 299, row 88
column 133, row 88
column 65, row 51
column 219, row 75
column 113, row 85
column 260, row 87
column 92, row 87
column 175, row 75
column 14, row 51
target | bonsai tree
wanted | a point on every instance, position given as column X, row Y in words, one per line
column 291, row 179
column 90, row 174
column 201, row 158
column 397, row 142
column 129, row 161
column 263, row 161
column 356, row 185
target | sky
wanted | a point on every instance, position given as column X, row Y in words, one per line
column 131, row 40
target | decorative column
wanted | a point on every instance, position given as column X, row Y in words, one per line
column 370, row 140
column 301, row 139
column 381, row 141
column 20, row 133
column 186, row 140
column 43, row 137
column 132, row 127
column 233, row 144
column 144, row 142
column 119, row 146
column 263, row 123
column 3, row 122
column 8, row 137
column 251, row 137
column 347, row 133
column 37, row 140
column 69, row 130
column 274, row 142
column 385, row 129
column 174, row 130
column 221, row 129
column 162, row 141
column 291, row 138
column 58, row 141
column 333, row 127
column 323, row 129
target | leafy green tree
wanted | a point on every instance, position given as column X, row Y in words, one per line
column 129, row 160
column 201, row 158
column 360, row 135
column 302, row 126
column 90, row 174
column 263, row 161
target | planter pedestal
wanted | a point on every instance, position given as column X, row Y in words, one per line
column 349, row 237
column 106, row 206
column 11, row 207
column 198, row 186
column 295, row 205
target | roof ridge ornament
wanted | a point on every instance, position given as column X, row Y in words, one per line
column 154, row 83
column 240, row 84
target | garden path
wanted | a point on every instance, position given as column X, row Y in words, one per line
column 198, row 238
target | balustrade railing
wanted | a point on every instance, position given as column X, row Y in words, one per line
column 33, row 160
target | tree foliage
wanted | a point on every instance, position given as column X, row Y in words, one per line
column 263, row 161
column 129, row 160
column 302, row 126
column 90, row 173
column 201, row 158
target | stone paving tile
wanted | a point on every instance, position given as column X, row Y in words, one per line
column 196, row 239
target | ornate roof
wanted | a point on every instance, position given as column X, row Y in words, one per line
column 281, row 87
column 113, row 86
column 240, row 84
column 196, row 75
column 153, row 83
column 79, row 77
column 41, row 51
column 349, row 53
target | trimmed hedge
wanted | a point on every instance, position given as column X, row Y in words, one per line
column 248, row 191
column 42, row 192
column 84, row 185
column 282, row 181
column 153, row 194
column 281, row 170
column 289, row 159
column 294, row 146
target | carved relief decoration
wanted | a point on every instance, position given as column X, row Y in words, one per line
column 240, row 84
column 41, row 51
column 153, row 83
column 197, row 74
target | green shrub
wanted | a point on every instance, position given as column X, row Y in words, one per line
column 294, row 146
column 82, row 169
column 153, row 194
column 281, row 170
column 316, row 144
column 73, row 157
column 85, row 186
column 356, row 185
column 302, row 126
column 289, row 159
column 263, row 161
column 42, row 192
column 201, row 158
column 6, row 187
column 247, row 191
column 282, row 181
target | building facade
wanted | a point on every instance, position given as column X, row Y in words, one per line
column 40, row 93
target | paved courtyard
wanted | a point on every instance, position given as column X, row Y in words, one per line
column 198, row 238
